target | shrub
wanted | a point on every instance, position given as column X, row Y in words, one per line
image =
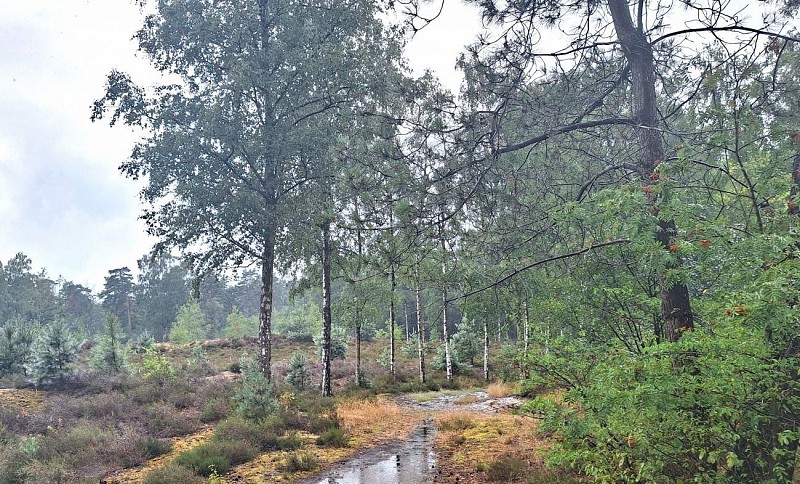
column 202, row 462
column 506, row 469
column 154, row 447
column 216, row 456
column 299, row 462
column 298, row 375
column 142, row 342
column 173, row 474
column 263, row 434
column 254, row 397
column 289, row 442
column 333, row 437
column 214, row 410
column 156, row 367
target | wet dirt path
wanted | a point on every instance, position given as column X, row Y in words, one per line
column 414, row 460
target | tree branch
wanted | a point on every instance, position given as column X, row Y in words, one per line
column 538, row 263
column 565, row 129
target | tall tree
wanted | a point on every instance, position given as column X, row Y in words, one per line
column 225, row 152
column 117, row 295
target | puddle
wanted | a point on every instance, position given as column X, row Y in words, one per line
column 412, row 461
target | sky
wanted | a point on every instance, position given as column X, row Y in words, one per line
column 63, row 201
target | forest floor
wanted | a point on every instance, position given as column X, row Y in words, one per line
column 87, row 430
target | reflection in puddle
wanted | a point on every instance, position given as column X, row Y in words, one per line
column 409, row 462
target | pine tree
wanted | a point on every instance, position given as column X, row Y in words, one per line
column 15, row 347
column 52, row 353
column 110, row 355
column 298, row 375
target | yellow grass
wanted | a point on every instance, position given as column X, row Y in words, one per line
column 179, row 446
column 465, row 449
column 23, row 401
column 500, row 390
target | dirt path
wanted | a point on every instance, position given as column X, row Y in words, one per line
column 463, row 435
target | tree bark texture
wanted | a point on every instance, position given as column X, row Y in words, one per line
column 265, row 306
column 675, row 306
column 326, row 310
column 420, row 325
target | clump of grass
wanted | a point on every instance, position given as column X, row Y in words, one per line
column 173, row 474
column 216, row 456
column 299, row 462
column 333, row 437
column 154, row 447
column 455, row 422
column 456, row 440
column 506, row 469
column 289, row 442
column 467, row 399
column 500, row 390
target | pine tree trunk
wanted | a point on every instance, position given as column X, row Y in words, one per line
column 420, row 326
column 326, row 310
column 265, row 306
column 675, row 306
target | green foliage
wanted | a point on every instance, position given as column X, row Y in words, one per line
column 190, row 324
column 298, row 375
column 239, row 325
column 173, row 474
column 254, row 398
column 300, row 321
column 439, row 361
column 506, row 469
column 338, row 343
column 299, row 462
column 333, row 437
column 109, row 355
column 142, row 342
column 15, row 346
column 156, row 367
column 52, row 354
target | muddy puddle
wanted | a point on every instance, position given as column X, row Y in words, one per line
column 412, row 461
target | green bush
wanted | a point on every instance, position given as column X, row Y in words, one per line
column 506, row 469
column 299, row 462
column 289, row 442
column 154, row 447
column 333, row 437
column 173, row 474
column 211, row 457
column 156, row 367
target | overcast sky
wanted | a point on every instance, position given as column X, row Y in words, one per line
column 62, row 200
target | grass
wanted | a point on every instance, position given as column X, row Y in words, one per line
column 299, row 462
column 500, row 390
